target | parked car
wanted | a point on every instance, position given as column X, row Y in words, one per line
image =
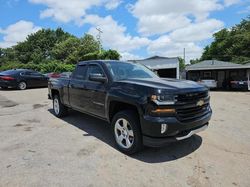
column 52, row 75
column 142, row 108
column 209, row 83
column 58, row 75
column 240, row 83
column 65, row 74
column 22, row 79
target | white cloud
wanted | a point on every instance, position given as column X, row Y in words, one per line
column 164, row 46
column 114, row 35
column 161, row 23
column 112, row 4
column 72, row 10
column 178, row 24
column 163, row 16
column 231, row 2
column 196, row 31
column 67, row 10
column 17, row 32
column 130, row 56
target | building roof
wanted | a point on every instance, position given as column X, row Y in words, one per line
column 157, row 62
column 215, row 64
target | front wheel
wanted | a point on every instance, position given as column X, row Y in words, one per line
column 59, row 109
column 127, row 132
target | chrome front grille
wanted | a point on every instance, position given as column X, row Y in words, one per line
column 192, row 96
column 192, row 106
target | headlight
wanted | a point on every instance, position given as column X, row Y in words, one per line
column 163, row 99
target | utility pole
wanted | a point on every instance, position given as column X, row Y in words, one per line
column 98, row 37
column 184, row 55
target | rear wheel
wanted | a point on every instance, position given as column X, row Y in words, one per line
column 127, row 132
column 22, row 85
column 59, row 109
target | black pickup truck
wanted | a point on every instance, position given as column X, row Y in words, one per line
column 142, row 108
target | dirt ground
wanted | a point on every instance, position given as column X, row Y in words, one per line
column 38, row 149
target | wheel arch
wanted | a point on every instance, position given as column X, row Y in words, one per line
column 55, row 92
column 117, row 106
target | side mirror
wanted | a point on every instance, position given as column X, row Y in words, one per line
column 97, row 78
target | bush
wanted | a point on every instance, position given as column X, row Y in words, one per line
column 44, row 67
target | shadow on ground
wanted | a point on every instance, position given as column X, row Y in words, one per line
column 16, row 89
column 101, row 130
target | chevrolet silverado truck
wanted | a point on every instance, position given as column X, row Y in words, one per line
column 142, row 108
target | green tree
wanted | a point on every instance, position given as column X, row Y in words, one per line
column 230, row 44
column 39, row 45
column 66, row 51
column 182, row 64
column 88, row 44
column 53, row 50
column 194, row 61
column 110, row 55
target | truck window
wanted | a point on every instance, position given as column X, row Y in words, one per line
column 95, row 69
column 80, row 72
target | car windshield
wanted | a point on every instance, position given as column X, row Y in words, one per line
column 126, row 70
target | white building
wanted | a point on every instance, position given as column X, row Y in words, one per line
column 164, row 66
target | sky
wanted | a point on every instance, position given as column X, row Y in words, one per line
column 136, row 29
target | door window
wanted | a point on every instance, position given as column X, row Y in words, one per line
column 36, row 74
column 80, row 72
column 95, row 69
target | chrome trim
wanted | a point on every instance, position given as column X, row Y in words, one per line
column 97, row 103
column 191, row 133
column 164, row 102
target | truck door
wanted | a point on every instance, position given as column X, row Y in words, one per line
column 77, row 88
column 96, row 91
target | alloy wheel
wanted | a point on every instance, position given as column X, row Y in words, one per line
column 124, row 134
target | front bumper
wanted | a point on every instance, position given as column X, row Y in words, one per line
column 159, row 142
column 176, row 130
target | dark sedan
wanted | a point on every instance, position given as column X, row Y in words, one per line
column 22, row 79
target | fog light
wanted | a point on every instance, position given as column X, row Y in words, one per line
column 163, row 128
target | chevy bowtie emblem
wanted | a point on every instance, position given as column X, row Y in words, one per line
column 200, row 103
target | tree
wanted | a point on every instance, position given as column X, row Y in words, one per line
column 110, row 55
column 53, row 50
column 39, row 45
column 66, row 51
column 182, row 64
column 88, row 44
column 230, row 44
column 194, row 61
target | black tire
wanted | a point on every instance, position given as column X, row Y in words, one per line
column 62, row 110
column 133, row 121
column 22, row 85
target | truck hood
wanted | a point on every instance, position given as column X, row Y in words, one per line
column 165, row 83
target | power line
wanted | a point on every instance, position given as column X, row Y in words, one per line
column 98, row 37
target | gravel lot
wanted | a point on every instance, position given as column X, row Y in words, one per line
column 38, row 149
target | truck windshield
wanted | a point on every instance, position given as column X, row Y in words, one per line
column 125, row 70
